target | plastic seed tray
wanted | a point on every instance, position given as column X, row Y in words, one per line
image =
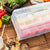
column 31, row 21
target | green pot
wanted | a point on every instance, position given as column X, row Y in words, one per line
column 5, row 19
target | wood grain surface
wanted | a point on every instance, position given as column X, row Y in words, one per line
column 41, row 42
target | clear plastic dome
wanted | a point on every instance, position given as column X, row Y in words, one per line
column 31, row 21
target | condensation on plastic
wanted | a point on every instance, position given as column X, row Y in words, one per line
column 38, row 17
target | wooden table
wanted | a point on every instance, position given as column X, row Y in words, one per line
column 41, row 42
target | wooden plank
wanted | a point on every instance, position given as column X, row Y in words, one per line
column 40, row 47
column 35, row 48
column 43, row 46
column 9, row 31
column 45, row 49
column 48, row 37
column 35, row 41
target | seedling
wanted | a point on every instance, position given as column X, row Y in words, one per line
column 12, row 3
column 1, row 2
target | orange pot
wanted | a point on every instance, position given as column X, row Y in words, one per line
column 46, row 0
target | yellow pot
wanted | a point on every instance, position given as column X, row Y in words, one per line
column 0, row 23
